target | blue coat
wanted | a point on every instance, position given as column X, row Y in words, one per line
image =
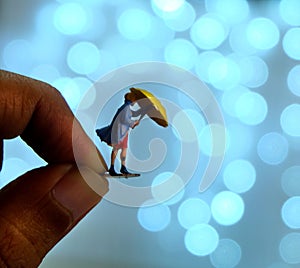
column 120, row 125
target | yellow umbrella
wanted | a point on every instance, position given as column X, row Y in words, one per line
column 154, row 109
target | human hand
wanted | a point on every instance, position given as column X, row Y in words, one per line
column 40, row 207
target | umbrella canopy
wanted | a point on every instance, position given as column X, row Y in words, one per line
column 154, row 109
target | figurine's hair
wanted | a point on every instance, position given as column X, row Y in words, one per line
column 128, row 96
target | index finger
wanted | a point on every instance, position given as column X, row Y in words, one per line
column 39, row 114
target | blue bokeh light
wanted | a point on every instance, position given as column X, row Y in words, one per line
column 69, row 89
column 134, row 24
column 208, row 32
column 289, row 11
column 233, row 11
column 290, row 43
column 293, row 80
column 83, row 57
column 290, row 181
column 168, row 5
column 201, row 239
column 228, row 254
column 181, row 19
column 224, row 73
column 227, row 208
column 211, row 139
column 193, row 211
column 70, row 18
column 239, row 42
column 251, row 108
column 230, row 98
column 173, row 190
column 154, row 218
column 289, row 248
column 262, row 33
column 289, row 120
column 290, row 212
column 239, row 176
column 254, row 71
column 181, row 52
column 203, row 62
column 273, row 148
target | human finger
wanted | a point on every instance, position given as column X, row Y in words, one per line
column 40, row 207
column 39, row 114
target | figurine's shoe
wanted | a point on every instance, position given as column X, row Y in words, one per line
column 124, row 171
column 112, row 172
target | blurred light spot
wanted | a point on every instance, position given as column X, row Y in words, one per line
column 108, row 64
column 227, row 255
column 289, row 11
column 227, row 208
column 193, row 211
column 208, row 32
column 159, row 35
column 289, row 120
column 290, row 212
column 293, row 80
column 239, row 41
column 262, row 33
column 272, row 148
column 83, row 84
column 168, row 5
column 167, row 187
column 187, row 124
column 290, row 181
column 201, row 239
column 154, row 218
column 290, row 43
column 230, row 98
column 18, row 56
column 181, row 19
column 203, row 62
column 224, row 73
column 239, row 176
column 70, row 18
column 251, row 108
column 12, row 168
column 45, row 72
column 83, row 58
column 254, row 71
column 211, row 139
column 233, row 11
column 289, row 248
column 181, row 52
column 69, row 89
column 134, row 24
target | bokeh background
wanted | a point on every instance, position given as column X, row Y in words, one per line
column 247, row 52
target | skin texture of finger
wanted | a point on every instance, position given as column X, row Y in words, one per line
column 58, row 199
column 38, row 113
column 40, row 207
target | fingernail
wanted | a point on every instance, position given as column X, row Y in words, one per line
column 79, row 190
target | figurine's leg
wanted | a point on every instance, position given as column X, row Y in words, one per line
column 123, row 156
column 113, row 156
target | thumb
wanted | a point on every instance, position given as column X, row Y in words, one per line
column 40, row 207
